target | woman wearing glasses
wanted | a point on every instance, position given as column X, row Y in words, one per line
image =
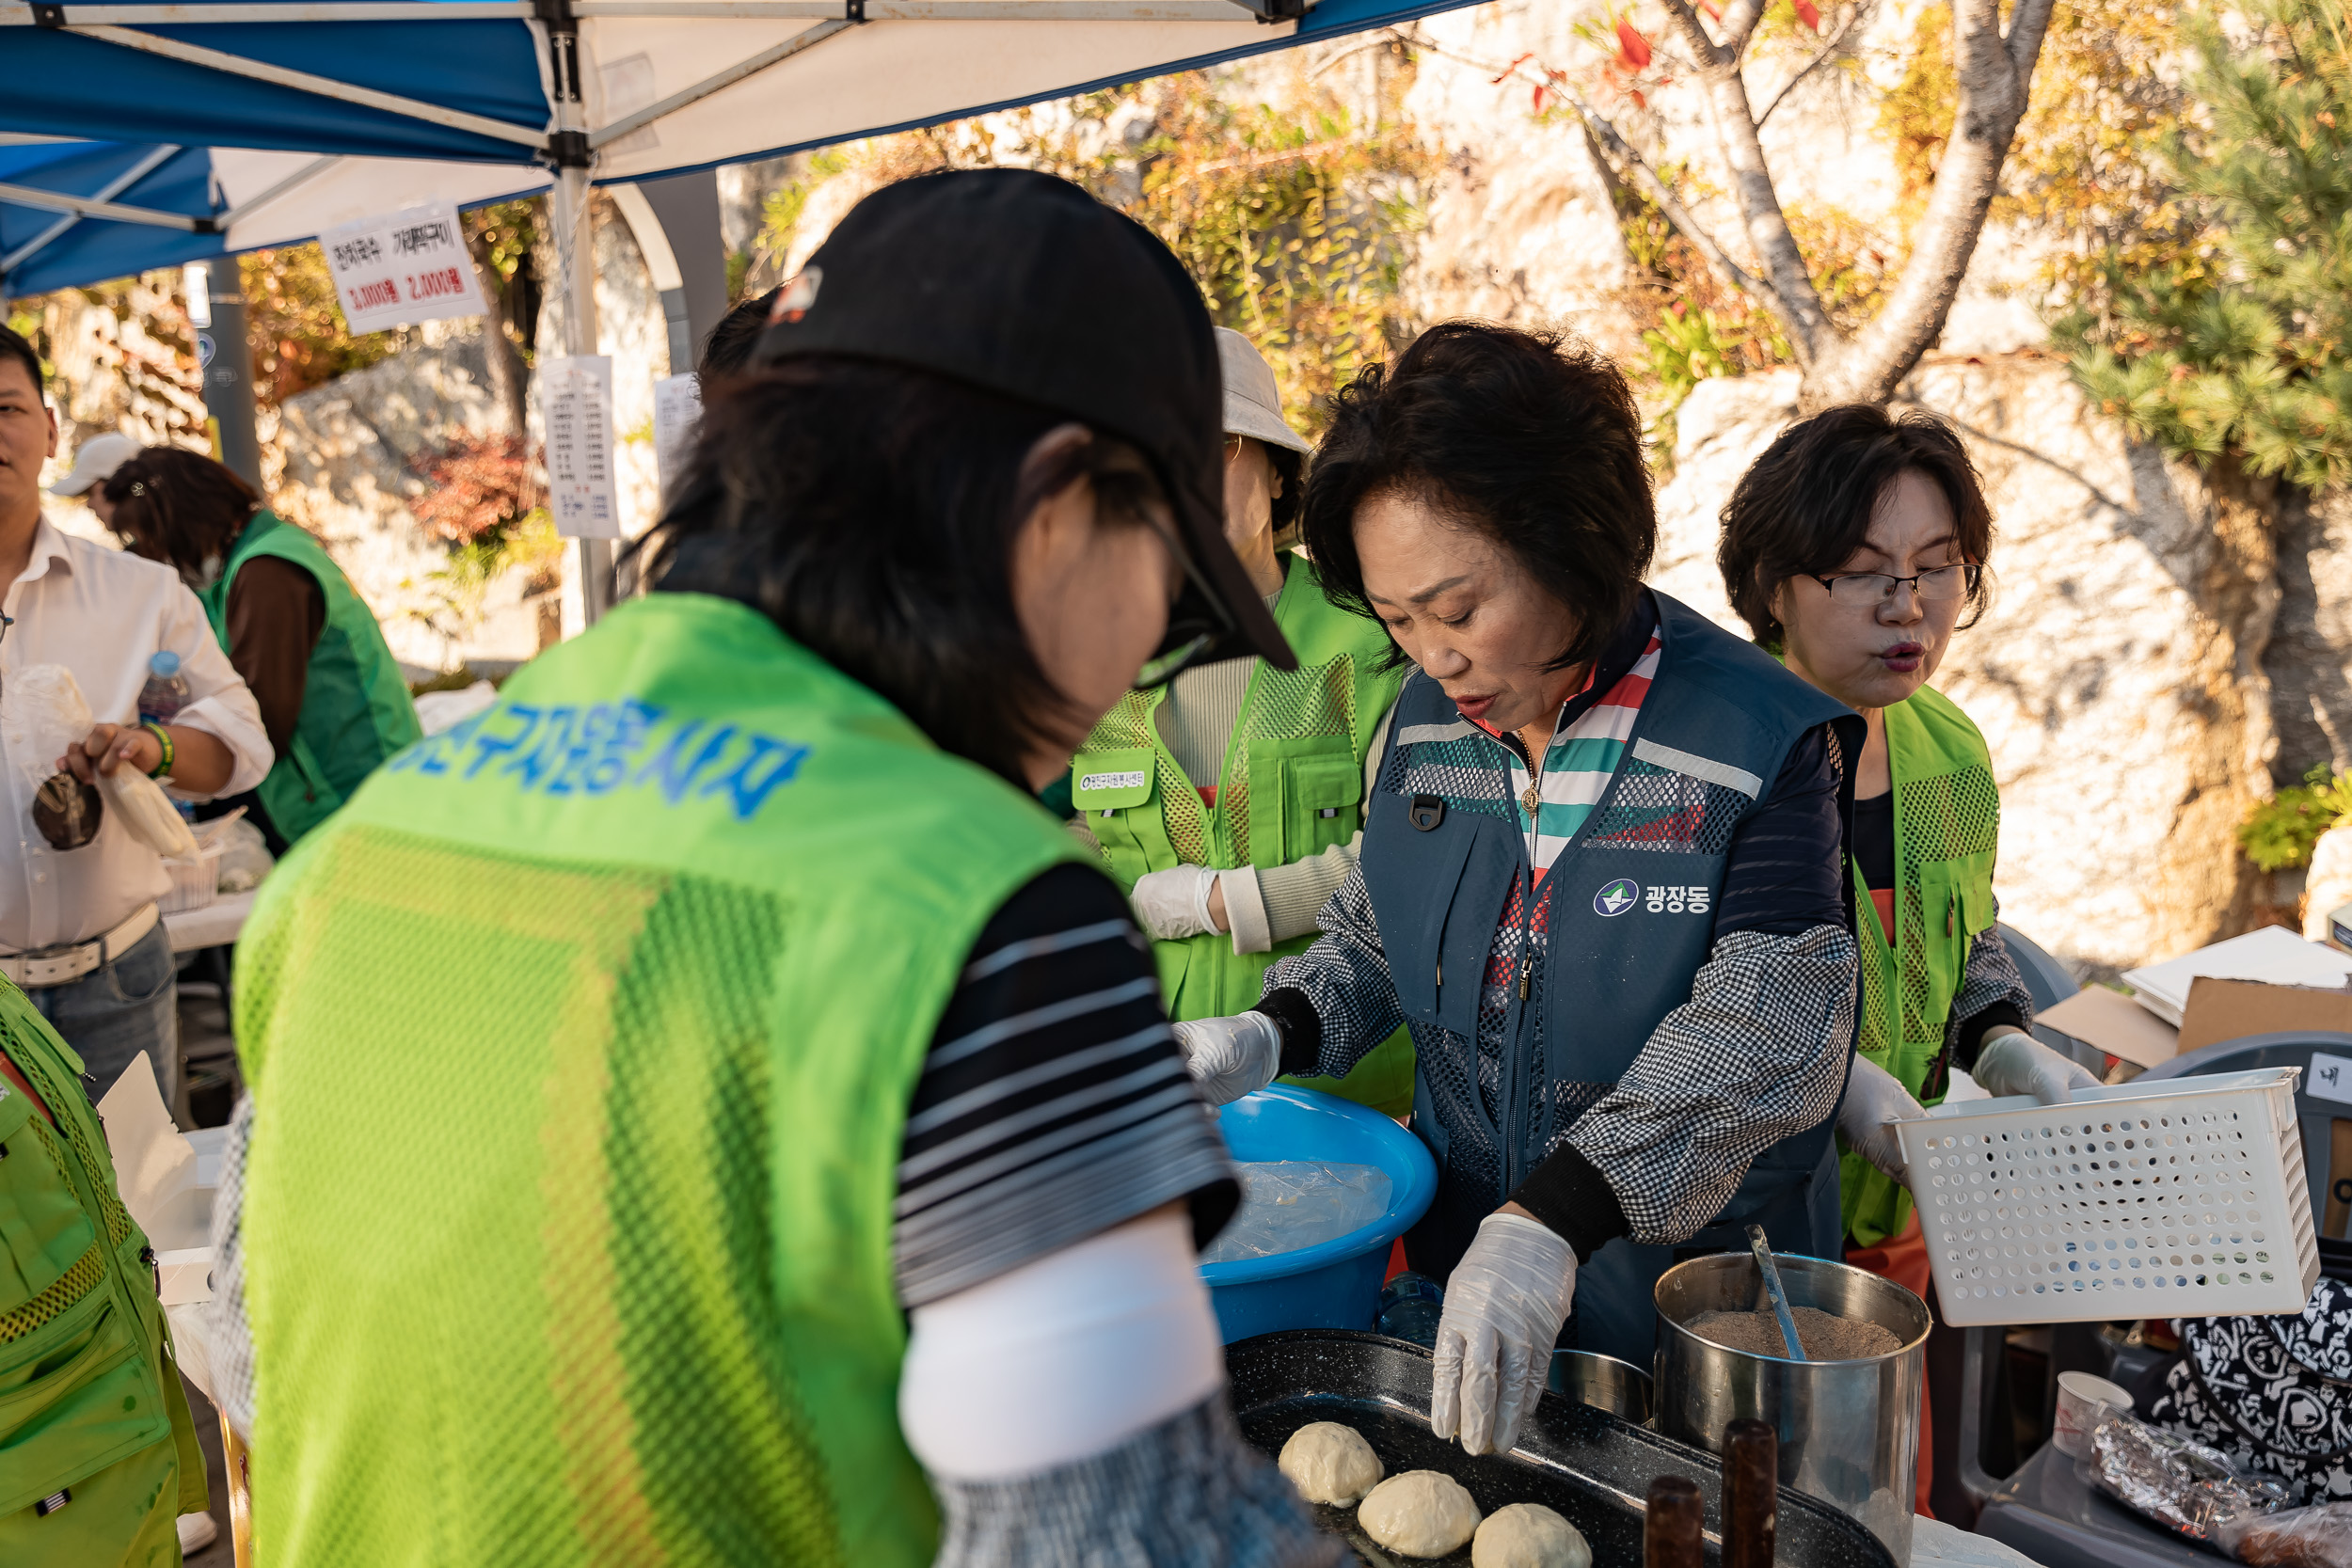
column 1853, row 547
column 1230, row 803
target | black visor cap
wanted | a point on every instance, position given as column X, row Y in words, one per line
column 1021, row 283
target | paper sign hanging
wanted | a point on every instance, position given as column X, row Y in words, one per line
column 403, row 267
column 677, row 408
column 576, row 395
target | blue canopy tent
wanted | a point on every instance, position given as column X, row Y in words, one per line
column 239, row 123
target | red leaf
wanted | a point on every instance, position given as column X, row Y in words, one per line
column 1634, row 49
column 1512, row 67
column 1808, row 14
column 1540, row 100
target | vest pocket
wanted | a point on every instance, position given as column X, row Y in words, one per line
column 1303, row 795
column 43, row 1232
column 91, row 1404
column 1956, row 902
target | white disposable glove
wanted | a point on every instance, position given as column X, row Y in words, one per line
column 1875, row 1102
column 1174, row 903
column 1230, row 1057
column 1503, row 1308
column 2015, row 1063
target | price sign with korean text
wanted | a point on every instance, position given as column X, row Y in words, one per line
column 403, row 267
column 576, row 397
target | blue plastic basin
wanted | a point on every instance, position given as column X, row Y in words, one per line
column 1333, row 1283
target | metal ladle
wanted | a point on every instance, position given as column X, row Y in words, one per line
column 1763, row 1250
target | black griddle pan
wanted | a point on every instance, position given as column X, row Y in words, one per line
column 1590, row 1465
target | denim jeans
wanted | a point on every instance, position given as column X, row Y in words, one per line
column 127, row 1005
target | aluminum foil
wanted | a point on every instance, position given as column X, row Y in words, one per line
column 2182, row 1485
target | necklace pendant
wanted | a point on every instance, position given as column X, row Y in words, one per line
column 1530, row 798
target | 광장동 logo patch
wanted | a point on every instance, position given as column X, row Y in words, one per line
column 1618, row 897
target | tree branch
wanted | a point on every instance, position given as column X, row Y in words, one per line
column 1991, row 100
column 1760, row 214
column 2027, row 26
column 1693, row 31
column 1854, row 18
column 1739, row 20
column 1636, row 169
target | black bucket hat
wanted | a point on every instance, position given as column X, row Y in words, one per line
column 1019, row 283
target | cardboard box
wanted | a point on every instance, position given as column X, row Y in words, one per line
column 2221, row 1009
column 2116, row 1024
column 2274, row 954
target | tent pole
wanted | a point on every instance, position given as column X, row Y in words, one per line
column 575, row 246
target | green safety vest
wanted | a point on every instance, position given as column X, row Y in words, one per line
column 1948, row 822
column 91, row 1402
column 356, row 708
column 580, row 1044
column 1292, row 786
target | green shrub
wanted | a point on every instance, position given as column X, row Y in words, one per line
column 2279, row 834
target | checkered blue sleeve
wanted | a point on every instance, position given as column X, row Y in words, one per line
column 1344, row 977
column 1757, row 1054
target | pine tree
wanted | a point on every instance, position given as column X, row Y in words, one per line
column 2241, row 343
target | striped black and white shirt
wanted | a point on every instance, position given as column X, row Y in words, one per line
column 1054, row 1103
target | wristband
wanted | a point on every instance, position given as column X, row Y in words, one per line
column 162, row 738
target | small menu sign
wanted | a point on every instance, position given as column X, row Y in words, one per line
column 403, row 267
column 577, row 399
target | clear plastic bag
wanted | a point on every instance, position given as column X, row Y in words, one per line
column 245, row 856
column 2317, row 1537
column 45, row 713
column 1289, row 1204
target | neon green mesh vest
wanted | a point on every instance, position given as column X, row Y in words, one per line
column 90, row 1402
column 581, row 1044
column 1292, row 786
column 1947, row 821
column 356, row 709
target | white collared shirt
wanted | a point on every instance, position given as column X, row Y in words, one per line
column 102, row 613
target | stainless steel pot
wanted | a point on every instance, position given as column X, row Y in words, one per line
column 1849, row 1430
column 1618, row 1387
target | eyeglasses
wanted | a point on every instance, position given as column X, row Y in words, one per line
column 1868, row 590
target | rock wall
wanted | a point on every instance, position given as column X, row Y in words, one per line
column 2118, row 676
column 2309, row 658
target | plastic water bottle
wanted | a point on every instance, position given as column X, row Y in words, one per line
column 165, row 691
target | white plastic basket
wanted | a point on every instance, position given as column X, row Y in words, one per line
column 2184, row 1197
column 195, row 880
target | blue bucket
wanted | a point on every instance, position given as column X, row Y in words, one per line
column 1333, row 1283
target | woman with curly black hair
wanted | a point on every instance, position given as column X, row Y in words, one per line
column 1599, row 880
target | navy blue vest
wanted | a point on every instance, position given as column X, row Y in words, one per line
column 1628, row 914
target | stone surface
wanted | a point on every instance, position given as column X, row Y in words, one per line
column 2310, row 657
column 2117, row 677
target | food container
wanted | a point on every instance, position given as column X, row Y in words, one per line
column 2182, row 1198
column 1848, row 1431
column 194, row 881
column 1333, row 1283
column 1604, row 1381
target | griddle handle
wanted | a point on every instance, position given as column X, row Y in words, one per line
column 1672, row 1524
column 1750, row 1494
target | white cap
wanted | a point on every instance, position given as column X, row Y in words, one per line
column 1253, row 403
column 97, row 460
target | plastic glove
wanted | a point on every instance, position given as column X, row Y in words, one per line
column 1503, row 1308
column 1174, row 903
column 1230, row 1057
column 1875, row 1102
column 2014, row 1063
